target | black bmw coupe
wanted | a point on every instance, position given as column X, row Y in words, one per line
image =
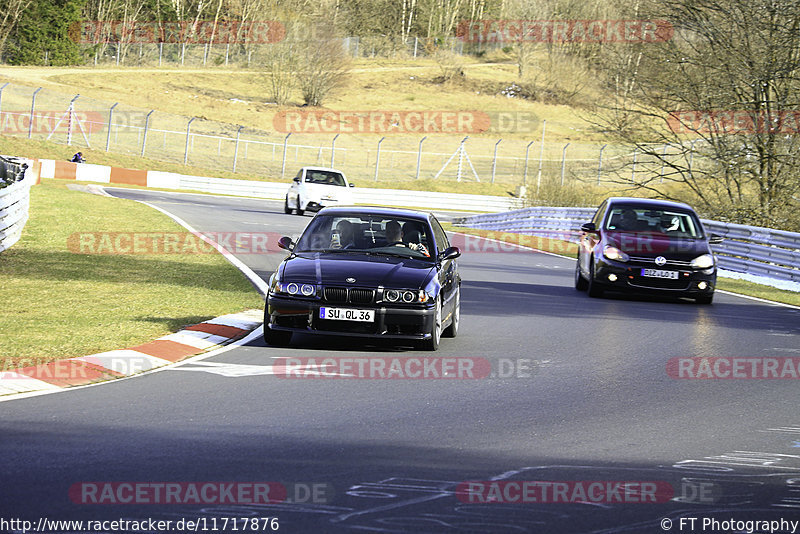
column 368, row 272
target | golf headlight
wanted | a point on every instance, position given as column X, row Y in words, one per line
column 613, row 253
column 706, row 261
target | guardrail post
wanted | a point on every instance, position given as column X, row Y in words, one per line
column 1, row 104
column 378, row 158
column 33, row 106
column 146, row 126
column 541, row 157
column 236, row 148
column 494, row 159
column 460, row 158
column 525, row 175
column 186, row 148
column 283, row 163
column 663, row 160
column 419, row 152
column 333, row 148
column 71, row 112
column 600, row 163
column 110, row 116
column 563, row 162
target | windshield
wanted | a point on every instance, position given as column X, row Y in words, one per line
column 372, row 234
column 670, row 223
column 325, row 178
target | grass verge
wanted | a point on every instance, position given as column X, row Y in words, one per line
column 59, row 304
column 565, row 248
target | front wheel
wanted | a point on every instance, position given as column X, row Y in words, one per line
column 432, row 343
column 276, row 338
column 594, row 289
column 452, row 329
column 298, row 210
column 580, row 282
column 286, row 209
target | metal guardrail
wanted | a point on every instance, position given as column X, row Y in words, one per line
column 361, row 195
column 14, row 201
column 746, row 249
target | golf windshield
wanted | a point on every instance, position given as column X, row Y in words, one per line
column 670, row 223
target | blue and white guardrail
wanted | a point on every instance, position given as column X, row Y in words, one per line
column 747, row 250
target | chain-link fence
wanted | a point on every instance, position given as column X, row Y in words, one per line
column 145, row 54
column 84, row 122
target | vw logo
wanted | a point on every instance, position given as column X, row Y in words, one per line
column 350, row 280
column 661, row 260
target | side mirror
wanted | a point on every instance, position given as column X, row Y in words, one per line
column 715, row 239
column 286, row 243
column 450, row 254
column 589, row 228
column 352, row 185
column 296, row 179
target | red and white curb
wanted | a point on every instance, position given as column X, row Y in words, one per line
column 166, row 350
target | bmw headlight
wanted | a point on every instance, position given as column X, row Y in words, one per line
column 406, row 296
column 295, row 289
column 706, row 261
column 613, row 253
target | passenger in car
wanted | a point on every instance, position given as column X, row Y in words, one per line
column 346, row 234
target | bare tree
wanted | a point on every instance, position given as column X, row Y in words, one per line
column 322, row 65
column 281, row 64
column 714, row 108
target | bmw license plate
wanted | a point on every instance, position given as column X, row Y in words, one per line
column 660, row 273
column 347, row 314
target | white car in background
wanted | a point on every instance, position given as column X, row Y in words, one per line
column 315, row 188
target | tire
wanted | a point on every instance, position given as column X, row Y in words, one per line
column 580, row 282
column 297, row 209
column 286, row 209
column 593, row 288
column 452, row 328
column 432, row 344
column 704, row 299
column 276, row 338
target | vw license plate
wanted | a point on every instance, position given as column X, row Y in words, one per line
column 347, row 314
column 660, row 273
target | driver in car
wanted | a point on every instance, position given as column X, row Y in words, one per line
column 394, row 238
